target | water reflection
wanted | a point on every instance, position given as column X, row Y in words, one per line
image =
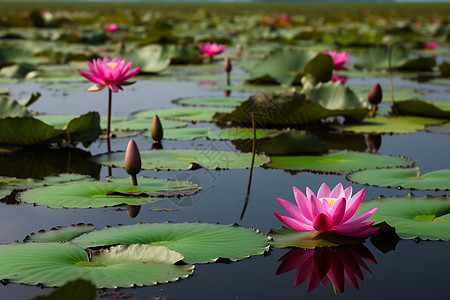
column 321, row 265
column 133, row 210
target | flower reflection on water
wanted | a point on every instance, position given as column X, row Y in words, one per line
column 321, row 265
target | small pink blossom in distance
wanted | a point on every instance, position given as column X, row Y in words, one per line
column 430, row 45
column 109, row 72
column 335, row 77
column 328, row 211
column 110, row 27
column 339, row 58
column 211, row 49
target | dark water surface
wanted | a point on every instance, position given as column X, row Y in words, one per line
column 411, row 271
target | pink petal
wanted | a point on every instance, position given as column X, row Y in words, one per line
column 364, row 233
column 309, row 193
column 303, row 203
column 318, row 206
column 348, row 192
column 92, row 78
column 352, row 204
column 131, row 73
column 322, row 222
column 294, row 259
column 361, row 216
column 337, row 211
column 293, row 223
column 337, row 191
column 324, row 191
column 113, row 88
column 293, row 211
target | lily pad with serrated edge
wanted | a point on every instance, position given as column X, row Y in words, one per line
column 337, row 163
column 102, row 194
column 210, row 101
column 427, row 218
column 286, row 237
column 184, row 159
column 197, row 242
column 401, row 124
column 187, row 114
column 182, row 133
column 60, row 234
column 407, row 178
column 51, row 264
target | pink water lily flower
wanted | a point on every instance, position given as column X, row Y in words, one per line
column 210, row 49
column 328, row 211
column 109, row 72
column 339, row 58
column 430, row 45
column 110, row 27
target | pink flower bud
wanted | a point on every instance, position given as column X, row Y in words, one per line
column 132, row 159
column 227, row 64
column 375, row 94
column 157, row 129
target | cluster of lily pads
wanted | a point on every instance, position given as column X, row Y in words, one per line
column 301, row 106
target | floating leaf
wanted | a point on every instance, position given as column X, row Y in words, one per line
column 150, row 58
column 240, row 133
column 408, row 178
column 11, row 108
column 183, row 159
column 250, row 88
column 292, row 142
column 411, row 217
column 52, row 264
column 286, row 237
column 102, row 194
column 443, row 128
column 422, row 108
column 60, row 234
column 190, row 114
column 401, row 124
column 340, row 162
column 210, row 101
column 197, row 242
column 183, row 133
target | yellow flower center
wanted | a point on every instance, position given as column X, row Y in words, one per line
column 111, row 65
column 330, row 200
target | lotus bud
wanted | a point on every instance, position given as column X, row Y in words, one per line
column 157, row 129
column 227, row 64
column 375, row 94
column 132, row 159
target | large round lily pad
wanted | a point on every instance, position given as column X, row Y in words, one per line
column 210, row 101
column 60, row 234
column 188, row 114
column 197, row 242
column 339, row 162
column 101, row 193
column 430, row 109
column 182, row 133
column 240, row 133
column 411, row 217
column 53, row 264
column 183, row 159
column 408, row 178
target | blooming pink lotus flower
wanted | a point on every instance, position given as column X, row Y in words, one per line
column 328, row 211
column 110, row 27
column 327, row 264
column 430, row 45
column 211, row 49
column 111, row 73
column 339, row 58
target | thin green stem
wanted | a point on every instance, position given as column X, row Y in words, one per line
column 108, row 125
column 251, row 166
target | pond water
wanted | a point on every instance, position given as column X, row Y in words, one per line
column 409, row 270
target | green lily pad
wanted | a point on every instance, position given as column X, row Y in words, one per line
column 292, row 108
column 426, row 218
column 377, row 58
column 210, row 101
column 182, row 133
column 292, row 142
column 250, row 88
column 337, row 163
column 72, row 290
column 443, row 128
column 185, row 159
column 400, row 93
column 286, row 237
column 188, row 114
column 150, row 58
column 197, row 242
column 11, row 108
column 240, row 133
column 401, row 124
column 102, row 194
column 52, row 264
column 422, row 108
column 281, row 66
column 408, row 178
column 60, row 234
column 27, row 131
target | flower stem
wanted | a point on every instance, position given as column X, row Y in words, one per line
column 134, row 180
column 251, row 166
column 108, row 125
column 391, row 86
